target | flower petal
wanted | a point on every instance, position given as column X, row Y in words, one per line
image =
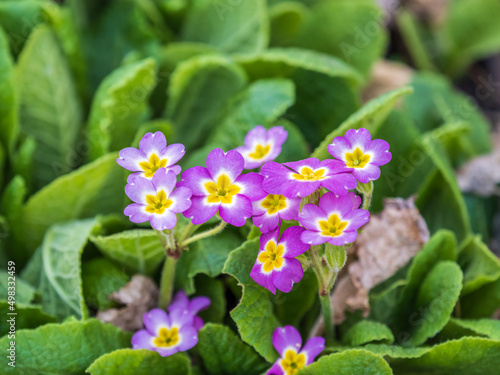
column 340, row 183
column 309, row 162
column 188, row 338
column 285, row 338
column 266, row 237
column 357, row 218
column 237, row 212
column 276, row 369
column 358, row 138
column 167, row 352
column 370, row 172
column 291, row 212
column 200, row 211
column 181, row 200
column 263, row 279
column 343, row 239
column 164, row 180
column 195, row 179
column 290, row 239
column 230, row 163
column 129, row 158
column 198, row 304
column 139, row 189
column 154, row 320
column 179, row 317
column 339, row 147
column 311, row 237
column 313, row 347
column 291, row 273
column 251, row 186
column 173, row 153
column 166, row 220
column 379, row 152
column 137, row 213
column 310, row 215
column 153, row 143
column 266, row 222
column 143, row 340
column 330, row 203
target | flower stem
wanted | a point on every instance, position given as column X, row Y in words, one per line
column 326, row 311
column 167, row 282
column 188, row 230
column 219, row 228
column 367, row 191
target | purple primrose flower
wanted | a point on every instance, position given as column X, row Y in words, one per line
column 262, row 145
column 276, row 266
column 302, row 178
column 268, row 211
column 152, row 155
column 335, row 220
column 288, row 343
column 156, row 200
column 166, row 333
column 193, row 306
column 358, row 151
column 220, row 187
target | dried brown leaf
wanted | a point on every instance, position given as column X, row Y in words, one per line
column 387, row 76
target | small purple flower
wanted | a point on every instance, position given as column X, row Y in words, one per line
column 193, row 306
column 220, row 187
column 262, row 145
column 335, row 220
column 288, row 343
column 358, row 151
column 268, row 211
column 152, row 155
column 156, row 201
column 166, row 333
column 302, row 178
column 276, row 266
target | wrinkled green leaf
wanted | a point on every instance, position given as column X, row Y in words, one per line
column 254, row 315
column 457, row 328
column 481, row 303
column 67, row 348
column 213, row 289
column 224, row 353
column 287, row 19
column 24, row 292
column 367, row 331
column 139, row 250
column 139, row 362
column 50, row 109
column 11, row 206
column 120, row 106
column 28, row 316
column 238, row 26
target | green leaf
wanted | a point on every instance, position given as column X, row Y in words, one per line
column 457, row 328
column 11, row 206
column 9, row 101
column 467, row 356
column 95, row 188
column 199, row 88
column 479, row 264
column 120, row 106
column 254, row 315
column 139, row 362
column 50, row 109
column 349, row 362
column 213, row 289
column 435, row 302
column 370, row 116
column 67, row 348
column 61, row 281
column 207, row 257
column 139, row 250
column 481, row 303
column 28, row 316
column 350, row 30
column 287, row 19
column 223, row 352
column 367, row 331
column 470, row 33
column 239, row 27
column 100, row 278
column 440, row 200
column 24, row 292
column 22, row 161
column 322, row 82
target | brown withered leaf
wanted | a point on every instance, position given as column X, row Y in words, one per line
column 387, row 76
column 138, row 297
column 385, row 244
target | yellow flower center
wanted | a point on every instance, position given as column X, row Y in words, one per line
column 157, row 204
column 333, row 227
column 260, row 152
column 222, row 191
column 293, row 362
column 307, row 174
column 167, row 338
column 272, row 257
column 151, row 166
column 274, row 203
column 356, row 159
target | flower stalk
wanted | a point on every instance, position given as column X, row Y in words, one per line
column 209, row 233
column 167, row 282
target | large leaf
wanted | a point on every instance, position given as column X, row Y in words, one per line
column 120, row 106
column 367, row 331
column 213, row 289
column 457, row 328
column 139, row 362
column 207, row 257
column 238, row 27
column 370, row 116
column 254, row 315
column 67, row 348
column 481, row 303
column 93, row 189
column 9, row 101
column 61, row 281
column 479, row 264
column 200, row 87
column 350, row 362
column 224, row 353
column 24, row 292
column 28, row 316
column 350, row 30
column 50, row 109
column 138, row 250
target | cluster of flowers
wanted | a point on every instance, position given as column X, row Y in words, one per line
column 173, row 331
column 318, row 194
